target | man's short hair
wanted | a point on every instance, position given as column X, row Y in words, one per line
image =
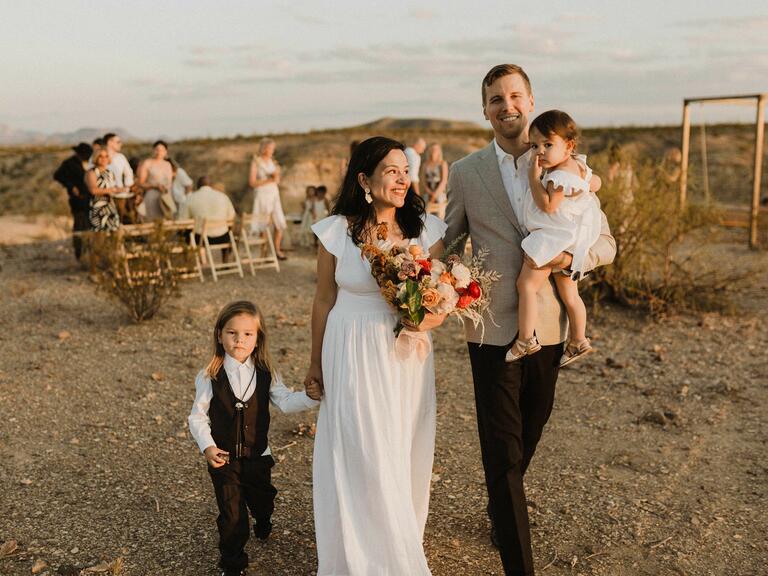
column 203, row 181
column 108, row 136
column 501, row 70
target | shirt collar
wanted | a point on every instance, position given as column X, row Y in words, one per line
column 232, row 365
column 501, row 155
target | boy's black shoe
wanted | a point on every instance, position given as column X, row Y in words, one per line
column 243, row 572
column 262, row 529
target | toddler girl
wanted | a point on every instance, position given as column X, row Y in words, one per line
column 564, row 217
column 230, row 422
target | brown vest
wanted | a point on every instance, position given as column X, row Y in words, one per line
column 222, row 413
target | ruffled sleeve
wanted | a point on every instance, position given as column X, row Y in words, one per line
column 332, row 233
column 571, row 183
column 434, row 230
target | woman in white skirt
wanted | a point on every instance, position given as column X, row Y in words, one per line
column 263, row 178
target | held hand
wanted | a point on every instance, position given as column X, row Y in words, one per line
column 313, row 382
column 313, row 389
column 216, row 457
column 429, row 322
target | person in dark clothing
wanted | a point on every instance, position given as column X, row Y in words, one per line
column 71, row 175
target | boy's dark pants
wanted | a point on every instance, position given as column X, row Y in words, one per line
column 240, row 486
column 514, row 401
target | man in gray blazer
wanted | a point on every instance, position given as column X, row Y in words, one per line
column 488, row 193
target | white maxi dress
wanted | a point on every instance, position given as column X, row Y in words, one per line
column 376, row 428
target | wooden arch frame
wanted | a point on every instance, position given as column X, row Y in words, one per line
column 760, row 100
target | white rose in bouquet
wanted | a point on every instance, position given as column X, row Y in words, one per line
column 448, row 299
column 462, row 274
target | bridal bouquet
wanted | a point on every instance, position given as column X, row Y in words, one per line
column 414, row 284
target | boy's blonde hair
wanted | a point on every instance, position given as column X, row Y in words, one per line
column 260, row 354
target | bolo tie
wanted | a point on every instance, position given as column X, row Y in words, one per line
column 240, row 407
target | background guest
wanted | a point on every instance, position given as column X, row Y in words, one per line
column 264, row 178
column 155, row 178
column 182, row 185
column 307, row 216
column 118, row 163
column 71, row 175
column 413, row 154
column 102, row 215
column 207, row 203
column 435, row 178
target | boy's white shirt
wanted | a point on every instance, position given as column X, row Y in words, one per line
column 240, row 374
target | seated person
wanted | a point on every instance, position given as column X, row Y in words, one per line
column 207, row 203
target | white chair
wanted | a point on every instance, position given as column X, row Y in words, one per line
column 261, row 240
column 222, row 267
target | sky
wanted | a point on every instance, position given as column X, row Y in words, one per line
column 192, row 68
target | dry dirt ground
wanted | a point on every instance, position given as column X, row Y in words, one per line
column 653, row 463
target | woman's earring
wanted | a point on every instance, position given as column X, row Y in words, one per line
column 368, row 197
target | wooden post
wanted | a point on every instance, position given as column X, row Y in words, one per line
column 705, row 162
column 685, row 150
column 758, row 169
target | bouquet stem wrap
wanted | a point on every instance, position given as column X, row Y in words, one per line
column 407, row 342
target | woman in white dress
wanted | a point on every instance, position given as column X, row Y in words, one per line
column 376, row 428
column 264, row 178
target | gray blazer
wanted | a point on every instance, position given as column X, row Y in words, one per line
column 478, row 204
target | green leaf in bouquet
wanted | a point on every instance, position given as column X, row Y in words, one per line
column 413, row 301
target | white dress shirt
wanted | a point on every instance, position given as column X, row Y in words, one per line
column 243, row 382
column 514, row 175
column 121, row 168
column 208, row 203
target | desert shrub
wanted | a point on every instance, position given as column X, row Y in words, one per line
column 141, row 272
column 660, row 264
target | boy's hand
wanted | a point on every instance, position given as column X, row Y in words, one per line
column 216, row 457
column 313, row 389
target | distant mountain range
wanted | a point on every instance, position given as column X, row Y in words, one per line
column 17, row 137
column 427, row 124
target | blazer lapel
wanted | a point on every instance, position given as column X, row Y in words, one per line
column 488, row 170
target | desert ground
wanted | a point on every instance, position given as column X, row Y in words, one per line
column 653, row 463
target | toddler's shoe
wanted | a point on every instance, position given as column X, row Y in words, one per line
column 262, row 529
column 522, row 348
column 574, row 351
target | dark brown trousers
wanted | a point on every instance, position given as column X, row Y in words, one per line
column 241, row 486
column 513, row 401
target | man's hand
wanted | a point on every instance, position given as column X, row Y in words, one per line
column 560, row 262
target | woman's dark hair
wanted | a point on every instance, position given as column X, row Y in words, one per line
column 556, row 122
column 160, row 142
column 351, row 198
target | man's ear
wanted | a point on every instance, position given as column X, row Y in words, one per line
column 532, row 104
column 485, row 114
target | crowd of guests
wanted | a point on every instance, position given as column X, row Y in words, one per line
column 106, row 189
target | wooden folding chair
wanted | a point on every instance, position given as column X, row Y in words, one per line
column 185, row 240
column 260, row 241
column 221, row 268
column 133, row 243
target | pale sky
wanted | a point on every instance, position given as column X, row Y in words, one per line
column 192, row 68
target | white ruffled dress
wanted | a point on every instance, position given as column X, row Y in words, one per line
column 573, row 228
column 376, row 428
